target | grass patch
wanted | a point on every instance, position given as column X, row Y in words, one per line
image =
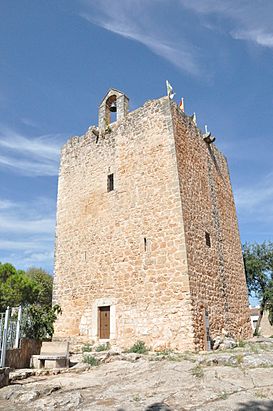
column 242, row 344
column 197, row 371
column 103, row 347
column 87, row 348
column 170, row 355
column 166, row 352
column 239, row 359
column 136, row 398
column 139, row 348
column 253, row 348
column 260, row 394
column 222, row 395
column 90, row 360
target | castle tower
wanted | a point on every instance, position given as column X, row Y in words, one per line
column 147, row 240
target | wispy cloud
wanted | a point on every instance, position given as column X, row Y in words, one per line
column 140, row 26
column 29, row 122
column 6, row 204
column 37, row 156
column 251, row 21
column 33, row 244
column 26, row 235
column 259, row 37
column 15, row 224
column 255, row 203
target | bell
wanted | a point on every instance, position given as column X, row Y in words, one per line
column 113, row 107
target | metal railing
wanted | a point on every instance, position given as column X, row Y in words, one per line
column 10, row 322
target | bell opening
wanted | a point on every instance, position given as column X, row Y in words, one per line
column 113, row 107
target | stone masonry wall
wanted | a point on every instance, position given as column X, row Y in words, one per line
column 216, row 273
column 101, row 256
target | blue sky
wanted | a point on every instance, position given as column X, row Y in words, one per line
column 58, row 59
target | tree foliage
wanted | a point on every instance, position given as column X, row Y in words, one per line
column 258, row 259
column 43, row 285
column 6, row 270
column 33, row 290
column 38, row 321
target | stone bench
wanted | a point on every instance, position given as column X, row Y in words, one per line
column 52, row 355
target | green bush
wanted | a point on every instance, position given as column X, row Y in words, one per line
column 139, row 347
column 38, row 321
column 87, row 348
column 242, row 344
column 91, row 360
column 197, row 371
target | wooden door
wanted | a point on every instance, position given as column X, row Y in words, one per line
column 104, row 322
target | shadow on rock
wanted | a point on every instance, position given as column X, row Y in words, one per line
column 159, row 406
column 256, row 406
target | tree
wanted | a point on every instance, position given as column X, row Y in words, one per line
column 258, row 259
column 19, row 290
column 6, row 270
column 43, row 283
column 33, row 290
column 38, row 321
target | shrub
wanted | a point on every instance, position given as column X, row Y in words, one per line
column 87, row 348
column 139, row 347
column 38, row 321
column 239, row 359
column 223, row 395
column 91, row 360
column 242, row 344
column 197, row 371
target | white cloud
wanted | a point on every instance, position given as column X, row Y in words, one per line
column 28, row 259
column 255, row 203
column 252, row 21
column 22, row 245
column 37, row 258
column 13, row 224
column 26, row 235
column 212, row 6
column 140, row 26
column 257, row 36
column 38, row 156
column 5, row 204
column 29, row 122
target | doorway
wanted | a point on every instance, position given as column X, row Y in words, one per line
column 104, row 322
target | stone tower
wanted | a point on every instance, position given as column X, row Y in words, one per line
column 147, row 242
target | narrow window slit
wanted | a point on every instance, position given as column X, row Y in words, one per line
column 110, row 182
column 207, row 236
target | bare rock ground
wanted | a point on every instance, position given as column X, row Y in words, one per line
column 241, row 380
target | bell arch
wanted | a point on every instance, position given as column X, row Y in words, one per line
column 113, row 107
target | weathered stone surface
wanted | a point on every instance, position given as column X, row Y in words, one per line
column 141, row 248
column 147, row 385
column 224, row 343
column 21, row 374
column 216, row 272
column 70, row 401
